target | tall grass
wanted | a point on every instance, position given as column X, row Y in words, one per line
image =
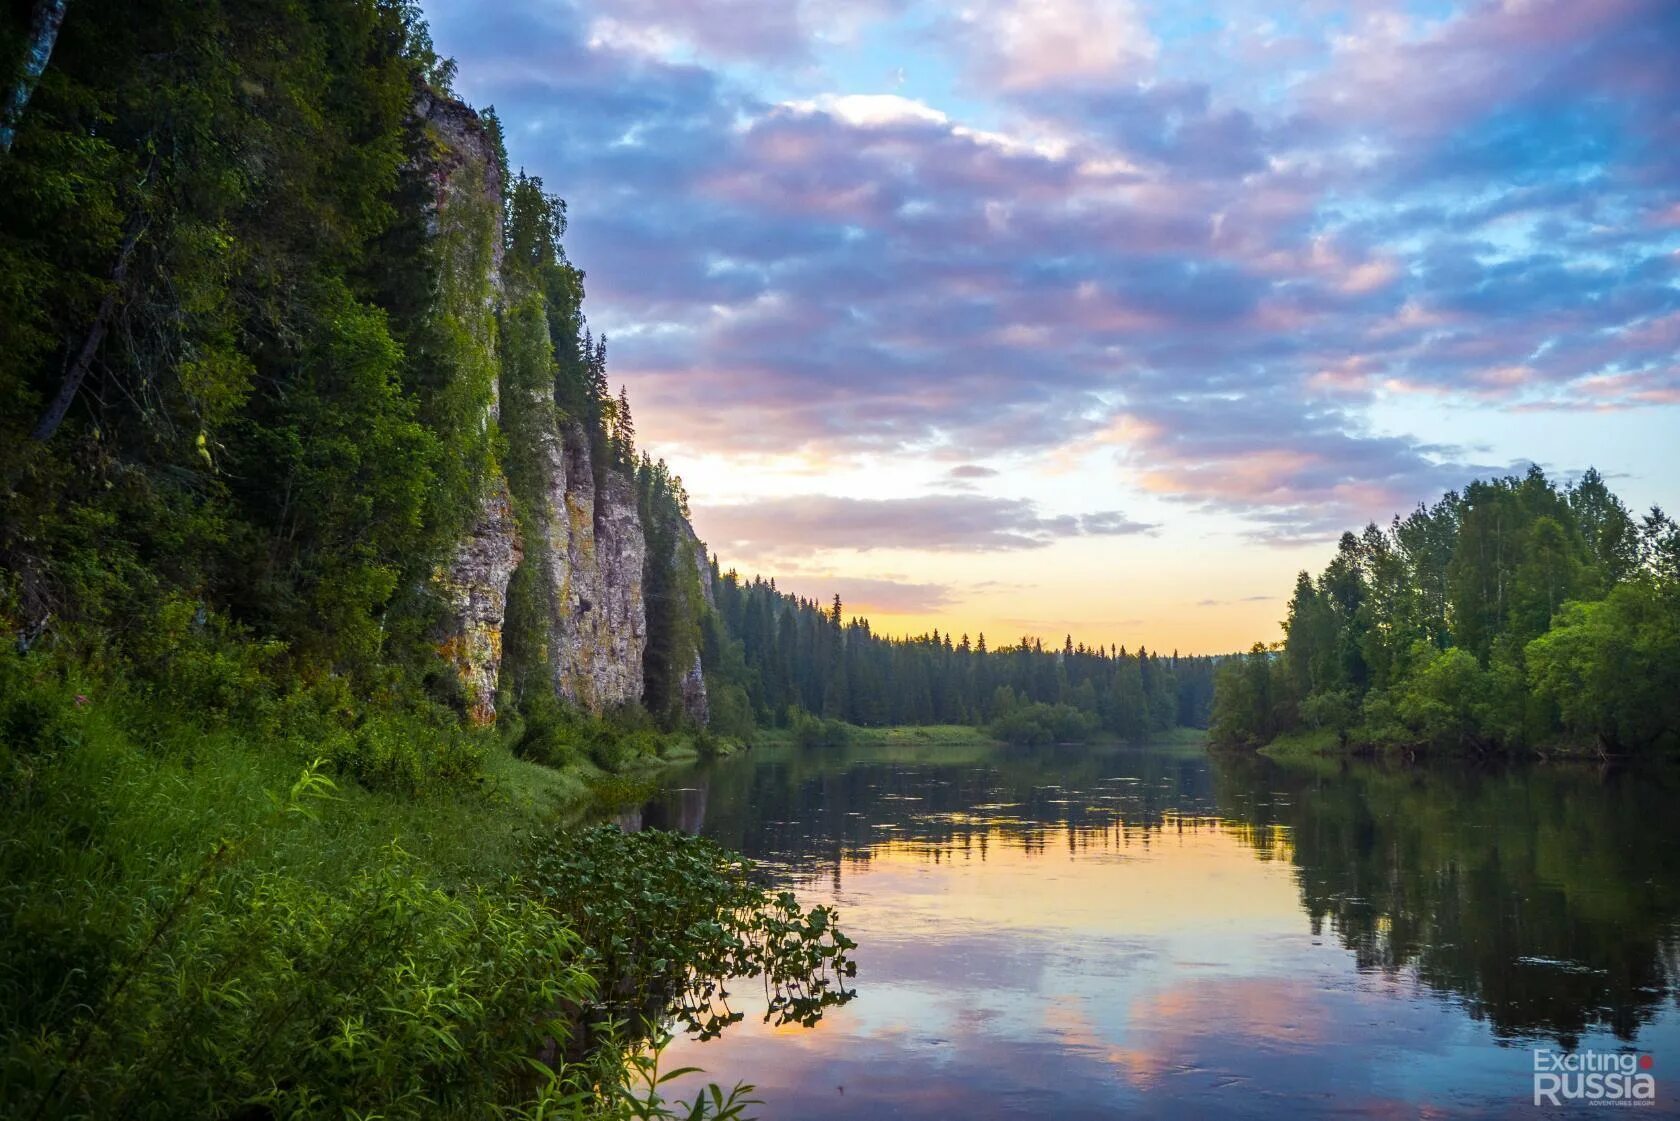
column 245, row 910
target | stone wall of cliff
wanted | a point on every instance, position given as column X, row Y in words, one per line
column 466, row 235
column 575, row 529
column 696, row 704
column 596, row 625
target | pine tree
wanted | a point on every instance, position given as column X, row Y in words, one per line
column 624, row 431
column 597, row 358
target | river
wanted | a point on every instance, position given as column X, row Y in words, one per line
column 1156, row 931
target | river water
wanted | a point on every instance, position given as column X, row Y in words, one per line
column 1099, row 932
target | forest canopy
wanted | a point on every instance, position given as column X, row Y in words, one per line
column 1517, row 614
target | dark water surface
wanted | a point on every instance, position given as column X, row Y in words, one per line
column 1156, row 932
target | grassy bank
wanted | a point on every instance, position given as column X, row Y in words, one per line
column 207, row 913
column 1322, row 743
column 827, row 733
column 1181, row 737
column 899, row 735
column 1304, row 744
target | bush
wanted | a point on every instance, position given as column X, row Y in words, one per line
column 411, row 752
column 707, row 744
column 731, row 711
column 814, row 731
column 557, row 734
column 1038, row 723
column 1610, row 671
column 1336, row 711
column 548, row 732
column 666, row 918
column 194, row 659
column 262, row 989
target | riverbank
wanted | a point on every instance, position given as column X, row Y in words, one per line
column 936, row 735
column 896, row 735
column 203, row 905
column 1320, row 743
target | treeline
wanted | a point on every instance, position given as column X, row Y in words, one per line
column 1515, row 615
column 771, row 656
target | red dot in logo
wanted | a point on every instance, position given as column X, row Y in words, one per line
column 1646, row 1062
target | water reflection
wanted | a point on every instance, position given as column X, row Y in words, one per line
column 1089, row 932
column 1543, row 897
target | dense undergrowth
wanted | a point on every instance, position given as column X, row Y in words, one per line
column 267, row 906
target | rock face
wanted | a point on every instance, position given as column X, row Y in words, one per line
column 466, row 233
column 578, row 530
column 464, row 162
column 475, row 583
column 695, row 703
column 597, row 630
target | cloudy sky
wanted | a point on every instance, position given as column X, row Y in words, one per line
column 1106, row 316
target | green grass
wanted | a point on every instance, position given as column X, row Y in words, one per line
column 1180, row 737
column 896, row 735
column 194, row 910
column 921, row 735
column 956, row 735
column 1304, row 744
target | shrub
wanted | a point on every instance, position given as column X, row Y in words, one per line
column 1038, row 723
column 557, row 734
column 814, row 731
column 411, row 752
column 666, row 918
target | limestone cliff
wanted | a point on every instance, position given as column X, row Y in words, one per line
column 597, row 626
column 465, row 230
column 573, row 525
column 475, row 584
column 696, row 704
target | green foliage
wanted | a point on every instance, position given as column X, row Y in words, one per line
column 221, row 559
column 1450, row 701
column 671, row 591
column 1611, row 670
column 177, row 941
column 351, row 465
column 1517, row 615
column 816, row 731
column 191, row 924
column 284, row 413
column 1040, row 723
column 557, row 734
column 666, row 919
column 1254, row 699
column 1336, row 711
column 709, row 745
